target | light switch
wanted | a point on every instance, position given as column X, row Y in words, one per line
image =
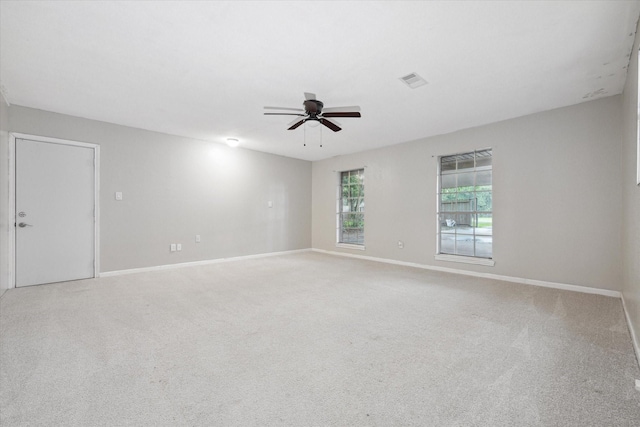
column 118, row 195
column 270, row 203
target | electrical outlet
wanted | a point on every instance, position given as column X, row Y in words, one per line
column 118, row 195
column 179, row 246
column 172, row 247
column 197, row 238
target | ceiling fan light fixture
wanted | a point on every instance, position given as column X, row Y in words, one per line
column 312, row 123
column 233, row 142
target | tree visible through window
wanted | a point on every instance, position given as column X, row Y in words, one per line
column 351, row 207
column 465, row 220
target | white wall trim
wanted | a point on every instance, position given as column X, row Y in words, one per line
column 198, row 263
column 17, row 135
column 632, row 332
column 350, row 246
column 11, row 214
column 12, row 196
column 542, row 283
column 464, row 259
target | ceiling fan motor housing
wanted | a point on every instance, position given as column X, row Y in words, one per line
column 313, row 107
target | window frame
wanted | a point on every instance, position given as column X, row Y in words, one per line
column 455, row 257
column 340, row 212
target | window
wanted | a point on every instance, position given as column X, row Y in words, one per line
column 465, row 220
column 351, row 208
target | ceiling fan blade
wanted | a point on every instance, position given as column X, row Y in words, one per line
column 330, row 125
column 283, row 108
column 342, row 114
column 351, row 109
column 295, row 125
column 283, row 114
column 309, row 96
column 335, row 122
column 294, row 121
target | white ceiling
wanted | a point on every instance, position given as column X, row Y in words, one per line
column 206, row 69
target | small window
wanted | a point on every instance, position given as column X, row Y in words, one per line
column 465, row 208
column 350, row 221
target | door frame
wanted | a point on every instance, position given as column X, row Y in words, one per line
column 13, row 136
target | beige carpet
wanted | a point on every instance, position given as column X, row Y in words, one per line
column 312, row 340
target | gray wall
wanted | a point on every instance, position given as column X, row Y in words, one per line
column 4, row 196
column 175, row 188
column 631, row 195
column 557, row 196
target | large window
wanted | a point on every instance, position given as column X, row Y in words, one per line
column 465, row 220
column 351, row 208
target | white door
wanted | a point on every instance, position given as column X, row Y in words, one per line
column 55, row 218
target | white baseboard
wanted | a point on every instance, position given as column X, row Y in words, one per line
column 564, row 286
column 196, row 263
column 634, row 337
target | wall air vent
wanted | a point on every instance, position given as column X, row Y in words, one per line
column 413, row 80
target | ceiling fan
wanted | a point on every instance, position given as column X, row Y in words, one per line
column 314, row 111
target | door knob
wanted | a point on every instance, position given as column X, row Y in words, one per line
column 23, row 225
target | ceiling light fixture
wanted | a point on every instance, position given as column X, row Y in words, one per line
column 232, row 142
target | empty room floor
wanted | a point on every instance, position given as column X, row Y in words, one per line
column 310, row 339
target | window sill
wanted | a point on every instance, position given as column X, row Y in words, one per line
column 350, row 246
column 465, row 259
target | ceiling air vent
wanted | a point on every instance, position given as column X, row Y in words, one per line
column 413, row 80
